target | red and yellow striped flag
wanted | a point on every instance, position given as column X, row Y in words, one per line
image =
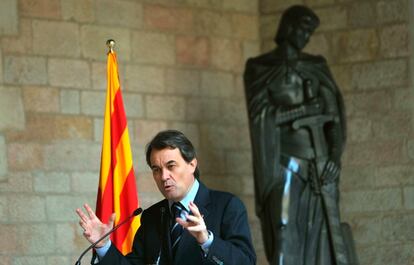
column 117, row 191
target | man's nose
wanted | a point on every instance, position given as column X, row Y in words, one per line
column 165, row 174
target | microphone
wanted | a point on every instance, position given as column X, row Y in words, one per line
column 134, row 213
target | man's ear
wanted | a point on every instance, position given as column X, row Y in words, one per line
column 193, row 164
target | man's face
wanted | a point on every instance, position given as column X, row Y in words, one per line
column 174, row 176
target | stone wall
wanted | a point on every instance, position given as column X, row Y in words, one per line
column 367, row 46
column 181, row 63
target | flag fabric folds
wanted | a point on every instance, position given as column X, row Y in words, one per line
column 117, row 189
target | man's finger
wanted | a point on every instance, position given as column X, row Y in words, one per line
column 82, row 216
column 90, row 211
column 194, row 209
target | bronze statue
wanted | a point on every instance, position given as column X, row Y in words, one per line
column 298, row 134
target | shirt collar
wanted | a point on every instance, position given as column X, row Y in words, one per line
column 189, row 197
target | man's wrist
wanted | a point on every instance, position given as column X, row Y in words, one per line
column 101, row 251
column 206, row 245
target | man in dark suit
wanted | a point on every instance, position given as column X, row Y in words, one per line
column 210, row 226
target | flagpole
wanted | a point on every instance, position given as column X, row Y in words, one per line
column 111, row 44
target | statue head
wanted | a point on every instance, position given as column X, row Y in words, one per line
column 296, row 26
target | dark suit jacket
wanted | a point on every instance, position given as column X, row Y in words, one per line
column 224, row 215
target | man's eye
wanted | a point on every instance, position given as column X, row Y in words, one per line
column 170, row 167
column 155, row 170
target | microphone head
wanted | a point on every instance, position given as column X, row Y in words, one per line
column 138, row 211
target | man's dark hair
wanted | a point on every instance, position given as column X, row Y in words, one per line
column 292, row 17
column 173, row 139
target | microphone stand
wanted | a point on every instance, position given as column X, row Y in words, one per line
column 157, row 262
column 135, row 213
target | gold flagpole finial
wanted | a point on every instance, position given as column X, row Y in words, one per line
column 111, row 44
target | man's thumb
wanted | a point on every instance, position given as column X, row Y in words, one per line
column 111, row 220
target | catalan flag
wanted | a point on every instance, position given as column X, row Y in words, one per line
column 117, row 190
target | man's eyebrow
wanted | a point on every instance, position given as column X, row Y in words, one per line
column 171, row 162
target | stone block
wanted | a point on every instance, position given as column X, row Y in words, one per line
column 357, row 178
column 395, row 41
column 217, row 136
column 123, row 14
column 203, row 109
column 314, row 3
column 48, row 128
column 234, row 112
column 367, row 229
column 211, row 161
column 17, row 182
column 226, row 55
column 26, row 208
column 4, row 208
column 246, row 6
column 182, row 82
column 85, row 182
column 93, row 103
column 168, row 18
column 408, row 192
column 362, row 14
column 21, row 43
column 61, row 208
column 342, row 76
column 213, row 23
column 393, row 125
column 52, row 260
column 69, row 101
column 192, row 50
column 191, row 130
column 11, row 99
column 268, row 25
column 9, row 246
column 217, row 84
column 139, row 78
column 23, row 70
column 48, row 38
column 319, row 45
column 144, row 130
column 250, row 49
column 402, row 99
column 165, row 108
column 32, row 260
column 395, row 175
column 372, row 153
column 40, row 8
column 392, row 11
column 133, row 105
column 356, row 45
column 332, row 18
column 24, row 156
column 65, row 237
column 78, row 10
column 98, row 124
column 9, row 22
column 41, row 99
column 373, row 102
column 398, row 227
column 380, row 200
column 239, row 162
column 270, row 6
column 380, row 74
column 93, row 42
column 99, row 77
column 145, row 182
column 72, row 156
column 245, row 26
column 37, row 239
column 387, row 253
column 55, row 182
column 153, row 47
column 3, row 159
column 69, row 73
column 359, row 130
